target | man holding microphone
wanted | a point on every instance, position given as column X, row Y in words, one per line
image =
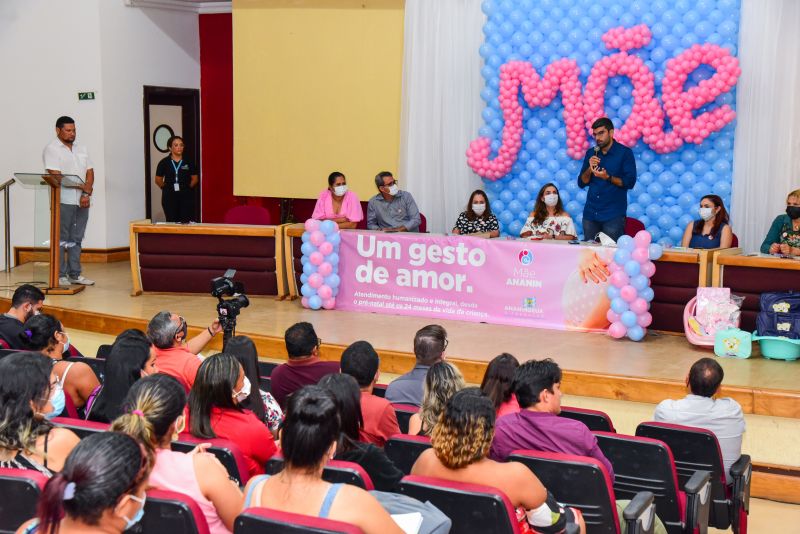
column 609, row 171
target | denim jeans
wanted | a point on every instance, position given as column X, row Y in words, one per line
column 613, row 228
column 73, row 226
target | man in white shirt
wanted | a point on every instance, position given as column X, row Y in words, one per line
column 722, row 416
column 63, row 156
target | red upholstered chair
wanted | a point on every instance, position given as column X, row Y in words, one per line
column 247, row 215
column 379, row 390
column 260, row 520
column 335, row 472
column 471, row 507
column 735, row 241
column 593, row 419
column 696, row 449
column 4, row 344
column 81, row 427
column 227, row 452
column 176, row 513
column 423, row 224
column 404, row 413
column 632, row 226
column 19, row 492
column 403, row 450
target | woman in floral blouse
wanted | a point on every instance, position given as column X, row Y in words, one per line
column 548, row 219
column 478, row 217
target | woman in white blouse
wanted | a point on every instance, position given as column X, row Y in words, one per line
column 548, row 219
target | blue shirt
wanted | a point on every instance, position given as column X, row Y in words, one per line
column 407, row 389
column 606, row 201
column 707, row 240
column 401, row 210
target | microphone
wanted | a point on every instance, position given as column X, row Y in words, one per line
column 596, row 149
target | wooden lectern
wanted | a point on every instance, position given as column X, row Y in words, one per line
column 54, row 183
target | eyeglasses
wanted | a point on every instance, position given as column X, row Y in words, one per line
column 446, row 342
column 319, row 342
column 181, row 324
column 394, row 182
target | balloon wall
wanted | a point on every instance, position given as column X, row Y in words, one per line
column 664, row 71
column 320, row 261
column 629, row 286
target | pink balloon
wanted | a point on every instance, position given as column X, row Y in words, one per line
column 325, row 268
column 640, row 255
column 316, row 258
column 324, row 292
column 304, row 302
column 614, row 267
column 628, row 293
column 329, row 304
column 612, row 316
column 317, row 238
column 315, row 280
column 617, row 330
column 312, row 225
column 326, row 248
column 639, row 306
column 619, row 279
column 644, row 320
column 648, row 269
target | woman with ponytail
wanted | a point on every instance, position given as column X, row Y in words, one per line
column 44, row 333
column 309, row 435
column 29, row 396
column 101, row 489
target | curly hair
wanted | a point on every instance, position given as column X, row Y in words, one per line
column 464, row 432
column 441, row 382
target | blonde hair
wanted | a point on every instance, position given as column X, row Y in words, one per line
column 465, row 429
column 441, row 382
column 795, row 193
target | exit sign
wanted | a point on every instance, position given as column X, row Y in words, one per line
column 86, row 96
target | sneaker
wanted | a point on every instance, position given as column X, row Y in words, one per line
column 64, row 281
column 82, row 280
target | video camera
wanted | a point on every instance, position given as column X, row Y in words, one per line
column 228, row 309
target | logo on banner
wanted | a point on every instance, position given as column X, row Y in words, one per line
column 525, row 257
column 529, row 303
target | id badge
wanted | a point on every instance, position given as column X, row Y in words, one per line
column 177, row 186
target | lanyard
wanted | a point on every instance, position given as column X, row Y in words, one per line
column 176, row 167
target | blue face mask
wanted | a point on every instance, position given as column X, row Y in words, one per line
column 58, row 401
column 130, row 523
column 66, row 343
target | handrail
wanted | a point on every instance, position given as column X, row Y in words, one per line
column 5, row 185
column 7, row 221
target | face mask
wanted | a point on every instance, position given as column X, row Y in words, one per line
column 793, row 212
column 393, row 190
column 244, row 393
column 707, row 213
column 479, row 208
column 551, row 199
column 340, row 190
column 129, row 523
column 58, row 401
column 66, row 343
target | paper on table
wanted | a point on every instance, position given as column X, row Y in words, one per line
column 408, row 523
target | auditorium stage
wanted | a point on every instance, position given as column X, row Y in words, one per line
column 595, row 365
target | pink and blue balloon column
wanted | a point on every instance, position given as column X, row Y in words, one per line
column 320, row 261
column 629, row 289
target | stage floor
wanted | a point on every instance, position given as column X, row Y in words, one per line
column 594, row 364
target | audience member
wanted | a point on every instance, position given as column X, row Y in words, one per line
column 101, row 488
column 478, row 217
column 259, row 402
column 441, row 382
column 346, row 394
column 498, row 382
column 303, row 366
column 178, row 357
column 154, row 415
column 338, row 204
column 46, row 334
column 215, row 411
column 30, row 395
column 549, row 219
column 711, row 230
column 784, row 233
column 104, row 350
column 26, row 302
column 430, row 343
column 130, row 359
column 308, row 439
column 722, row 416
column 537, row 385
column 392, row 210
column 360, row 361
column 459, row 448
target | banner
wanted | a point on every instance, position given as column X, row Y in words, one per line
column 522, row 283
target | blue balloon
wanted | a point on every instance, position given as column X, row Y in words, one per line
column 647, row 294
column 632, row 268
column 304, row 259
column 314, row 302
column 655, row 251
column 332, row 281
column 305, row 237
column 639, row 282
column 628, row 318
column 619, row 306
column 327, row 227
column 612, row 292
column 307, row 249
column 334, row 239
column 309, row 268
column 622, row 256
column 636, row 333
column 307, row 290
column 333, row 259
column 304, row 278
column 626, row 242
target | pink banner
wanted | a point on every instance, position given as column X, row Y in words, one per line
column 523, row 283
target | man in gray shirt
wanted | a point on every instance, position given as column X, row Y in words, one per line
column 391, row 210
column 429, row 345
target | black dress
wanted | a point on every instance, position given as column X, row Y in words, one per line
column 178, row 201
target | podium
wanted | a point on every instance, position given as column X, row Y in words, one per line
column 47, row 229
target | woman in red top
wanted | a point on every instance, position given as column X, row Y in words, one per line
column 214, row 411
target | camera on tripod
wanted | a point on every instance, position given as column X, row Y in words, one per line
column 228, row 309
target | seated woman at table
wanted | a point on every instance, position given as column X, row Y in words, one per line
column 784, row 234
column 478, row 217
column 549, row 220
column 711, row 230
column 338, row 204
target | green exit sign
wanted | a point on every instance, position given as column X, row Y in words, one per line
column 86, row 96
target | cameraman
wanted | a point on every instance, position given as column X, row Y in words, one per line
column 177, row 356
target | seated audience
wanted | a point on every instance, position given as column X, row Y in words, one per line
column 346, row 394
column 498, row 382
column 441, row 382
column 259, row 402
column 178, row 357
column 784, row 234
column 154, row 415
column 430, row 343
column 549, row 220
column 392, row 210
column 30, row 395
column 26, row 302
column 44, row 333
column 104, row 350
column 101, row 488
column 360, row 361
column 130, row 359
column 303, row 366
column 712, row 229
column 338, row 204
column 459, row 447
column 722, row 416
column 537, row 385
column 478, row 217
column 309, row 436
column 215, row 410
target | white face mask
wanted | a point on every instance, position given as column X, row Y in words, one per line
column 479, row 208
column 242, row 395
column 393, row 190
column 706, row 213
column 340, row 190
column 551, row 199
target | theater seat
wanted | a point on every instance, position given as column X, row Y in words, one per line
column 247, row 215
column 404, row 413
column 226, row 451
column 265, row 368
column 19, row 493
column 4, row 344
column 173, row 513
column 260, row 520
column 335, row 472
column 632, row 226
column 423, row 224
column 734, row 241
column 593, row 419
column 403, row 450
column 81, row 427
column 98, row 365
column 379, row 390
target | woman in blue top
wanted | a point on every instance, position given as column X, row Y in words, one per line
column 712, row 229
column 784, row 234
